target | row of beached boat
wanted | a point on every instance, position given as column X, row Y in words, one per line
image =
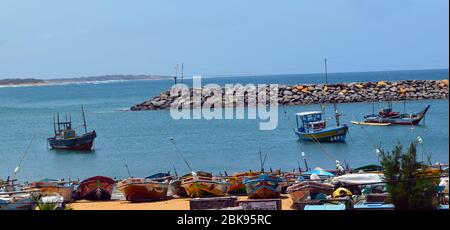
column 308, row 187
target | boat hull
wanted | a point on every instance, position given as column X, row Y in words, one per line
column 18, row 203
column 262, row 187
column 403, row 119
column 66, row 191
column 95, row 188
column 301, row 191
column 141, row 190
column 198, row 188
column 81, row 143
column 330, row 135
column 235, row 183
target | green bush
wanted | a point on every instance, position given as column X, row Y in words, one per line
column 408, row 185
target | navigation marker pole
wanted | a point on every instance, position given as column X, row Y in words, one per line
column 326, row 72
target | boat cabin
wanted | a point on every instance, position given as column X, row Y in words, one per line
column 64, row 130
column 310, row 121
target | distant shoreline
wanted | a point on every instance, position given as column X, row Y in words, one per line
column 17, row 82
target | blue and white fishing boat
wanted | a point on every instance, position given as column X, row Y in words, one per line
column 312, row 127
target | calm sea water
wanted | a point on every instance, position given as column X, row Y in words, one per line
column 141, row 139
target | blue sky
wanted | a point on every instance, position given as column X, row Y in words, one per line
column 53, row 38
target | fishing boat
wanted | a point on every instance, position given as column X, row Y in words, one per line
column 236, row 182
column 387, row 115
column 321, row 173
column 143, row 189
column 66, row 138
column 203, row 184
column 311, row 127
column 299, row 192
column 17, row 201
column 52, row 186
column 263, row 186
column 94, row 188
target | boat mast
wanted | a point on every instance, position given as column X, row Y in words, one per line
column 54, row 124
column 59, row 126
column 336, row 114
column 84, row 120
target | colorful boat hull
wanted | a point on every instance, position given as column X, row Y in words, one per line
column 141, row 190
column 81, row 143
column 95, row 188
column 202, row 184
column 263, row 186
column 327, row 135
column 200, row 188
column 236, row 184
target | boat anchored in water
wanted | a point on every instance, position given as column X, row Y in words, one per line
column 312, row 127
column 388, row 116
column 66, row 137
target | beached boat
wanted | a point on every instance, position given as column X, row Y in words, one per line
column 321, row 173
column 66, row 138
column 17, row 201
column 143, row 189
column 311, row 127
column 389, row 116
column 236, row 182
column 52, row 186
column 263, row 186
column 94, row 188
column 203, row 184
column 299, row 192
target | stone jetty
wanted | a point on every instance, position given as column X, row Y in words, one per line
column 321, row 93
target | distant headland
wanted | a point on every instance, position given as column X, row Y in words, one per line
column 56, row 81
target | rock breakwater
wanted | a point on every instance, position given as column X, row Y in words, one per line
column 313, row 94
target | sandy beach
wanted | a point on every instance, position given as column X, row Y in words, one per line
column 174, row 204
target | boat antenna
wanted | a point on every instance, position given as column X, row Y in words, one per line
column 128, row 170
column 175, row 170
column 326, row 71
column 262, row 161
column 179, row 152
column 299, row 168
column 346, row 165
column 16, row 170
column 84, row 119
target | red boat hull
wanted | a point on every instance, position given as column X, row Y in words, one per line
column 95, row 188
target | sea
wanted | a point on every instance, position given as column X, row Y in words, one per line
column 142, row 143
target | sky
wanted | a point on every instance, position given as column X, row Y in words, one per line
column 53, row 38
